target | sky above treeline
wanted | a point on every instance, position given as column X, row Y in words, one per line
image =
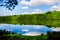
column 32, row 7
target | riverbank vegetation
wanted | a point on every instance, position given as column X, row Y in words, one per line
column 8, row 35
column 50, row 19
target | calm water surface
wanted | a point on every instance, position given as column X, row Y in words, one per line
column 25, row 29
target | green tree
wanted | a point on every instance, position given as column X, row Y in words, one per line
column 10, row 4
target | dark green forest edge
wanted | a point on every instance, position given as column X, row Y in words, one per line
column 50, row 19
column 8, row 35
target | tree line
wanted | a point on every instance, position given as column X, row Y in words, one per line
column 50, row 19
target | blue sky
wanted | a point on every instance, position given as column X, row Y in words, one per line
column 32, row 7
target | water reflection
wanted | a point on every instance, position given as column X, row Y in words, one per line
column 25, row 29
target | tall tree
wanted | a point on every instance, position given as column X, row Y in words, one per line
column 10, row 4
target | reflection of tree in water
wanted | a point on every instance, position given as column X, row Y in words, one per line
column 50, row 36
column 6, row 35
column 2, row 32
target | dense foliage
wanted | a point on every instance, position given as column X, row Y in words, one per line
column 7, row 35
column 10, row 4
column 50, row 19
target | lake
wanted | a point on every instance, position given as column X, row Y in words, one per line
column 27, row 29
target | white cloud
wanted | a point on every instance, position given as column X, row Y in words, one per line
column 38, row 26
column 55, row 8
column 26, row 7
column 2, row 25
column 24, row 2
column 56, row 29
column 25, row 25
column 25, row 13
column 35, row 11
column 25, row 30
column 32, row 34
column 5, row 14
column 39, row 2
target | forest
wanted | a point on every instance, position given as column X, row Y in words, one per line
column 50, row 19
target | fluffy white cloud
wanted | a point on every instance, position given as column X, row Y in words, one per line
column 2, row 25
column 56, row 29
column 38, row 2
column 5, row 14
column 36, row 11
column 24, row 2
column 55, row 8
column 26, row 7
column 25, row 13
column 25, row 30
column 32, row 34
column 38, row 26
